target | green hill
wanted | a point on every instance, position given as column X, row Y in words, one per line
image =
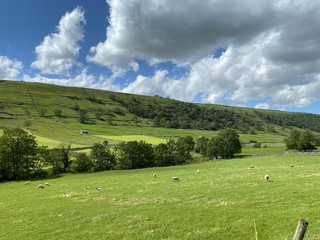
column 57, row 113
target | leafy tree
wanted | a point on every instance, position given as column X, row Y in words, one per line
column 201, row 145
column 52, row 158
column 292, row 141
column 103, row 158
column 299, row 140
column 63, row 151
column 83, row 116
column 83, row 162
column 187, row 143
column 183, row 148
column 224, row 145
column 57, row 112
column 58, row 158
column 213, row 148
column 27, row 124
column 163, row 155
column 230, row 143
column 18, row 150
column 134, row 154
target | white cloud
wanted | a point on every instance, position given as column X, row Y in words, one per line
column 159, row 84
column 83, row 79
column 59, row 51
column 179, row 31
column 272, row 49
column 262, row 106
column 9, row 69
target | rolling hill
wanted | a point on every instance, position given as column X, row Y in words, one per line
column 57, row 114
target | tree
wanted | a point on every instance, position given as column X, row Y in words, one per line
column 183, row 148
column 103, row 158
column 83, row 116
column 163, row 155
column 83, row 162
column 63, row 151
column 27, row 124
column 134, row 154
column 301, row 140
column 213, row 148
column 18, row 150
column 201, row 145
column 224, row 145
column 59, row 158
column 57, row 112
column 52, row 158
column 230, row 143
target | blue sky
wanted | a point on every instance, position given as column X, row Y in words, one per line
column 251, row 53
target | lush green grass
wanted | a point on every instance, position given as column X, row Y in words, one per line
column 263, row 150
column 222, row 202
column 148, row 139
column 262, row 137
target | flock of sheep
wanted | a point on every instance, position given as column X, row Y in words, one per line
column 174, row 178
column 42, row 186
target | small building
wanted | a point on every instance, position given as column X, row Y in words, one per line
column 84, row 132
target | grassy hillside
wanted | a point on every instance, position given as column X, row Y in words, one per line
column 224, row 201
column 52, row 113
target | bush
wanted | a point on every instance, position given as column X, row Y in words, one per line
column 82, row 163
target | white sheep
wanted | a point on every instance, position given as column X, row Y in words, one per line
column 266, row 178
column 47, row 184
column 27, row 183
column 98, row 188
column 175, row 178
column 86, row 187
column 67, row 195
column 154, row 175
column 40, row 186
column 198, row 171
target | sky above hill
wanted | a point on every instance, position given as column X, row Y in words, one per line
column 252, row 53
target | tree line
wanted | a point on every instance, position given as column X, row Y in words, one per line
column 175, row 114
column 22, row 158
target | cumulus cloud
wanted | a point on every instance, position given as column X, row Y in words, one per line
column 179, row 31
column 59, row 51
column 9, row 69
column 159, row 84
column 83, row 79
column 272, row 49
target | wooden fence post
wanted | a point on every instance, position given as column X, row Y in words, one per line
column 301, row 229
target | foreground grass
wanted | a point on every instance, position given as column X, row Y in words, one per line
column 222, row 202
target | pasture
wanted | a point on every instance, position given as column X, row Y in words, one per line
column 148, row 139
column 222, row 202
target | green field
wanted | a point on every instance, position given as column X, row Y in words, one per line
column 126, row 138
column 224, row 201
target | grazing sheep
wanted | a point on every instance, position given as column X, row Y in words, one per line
column 154, row 175
column 67, row 195
column 98, row 188
column 40, row 186
column 175, row 179
column 266, row 178
column 86, row 187
column 27, row 183
column 198, row 171
column 47, row 184
column 252, row 166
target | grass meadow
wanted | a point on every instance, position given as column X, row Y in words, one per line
column 224, row 201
